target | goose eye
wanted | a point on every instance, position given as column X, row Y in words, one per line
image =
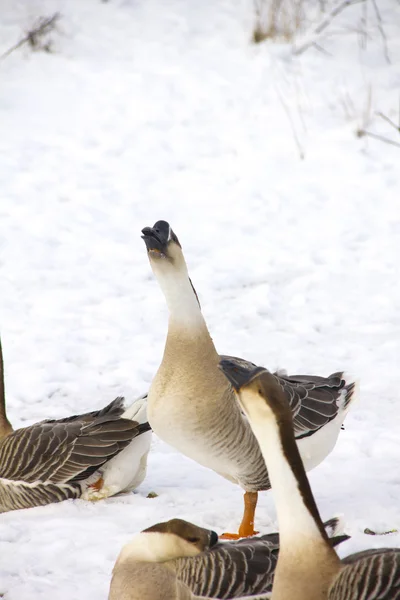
column 193, row 540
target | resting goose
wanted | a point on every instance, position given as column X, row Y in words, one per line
column 92, row 456
column 192, row 407
column 308, row 568
column 188, row 555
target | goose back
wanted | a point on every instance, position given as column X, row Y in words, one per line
column 49, row 461
column 231, row 570
column 369, row 575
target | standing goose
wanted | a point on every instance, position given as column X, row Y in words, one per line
column 308, row 568
column 186, row 554
column 192, row 406
column 93, row 455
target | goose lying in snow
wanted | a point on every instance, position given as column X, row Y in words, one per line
column 188, row 558
column 94, row 455
column 308, row 568
column 192, row 406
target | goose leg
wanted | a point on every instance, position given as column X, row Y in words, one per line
column 246, row 528
column 97, row 485
column 92, row 491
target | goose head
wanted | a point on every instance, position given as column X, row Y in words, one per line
column 163, row 246
column 169, row 266
column 169, row 540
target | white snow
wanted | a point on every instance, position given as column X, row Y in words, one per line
column 153, row 110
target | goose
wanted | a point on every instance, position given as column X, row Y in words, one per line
column 308, row 568
column 192, row 406
column 188, row 555
column 89, row 456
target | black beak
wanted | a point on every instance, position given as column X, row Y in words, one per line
column 238, row 374
column 157, row 237
column 213, row 538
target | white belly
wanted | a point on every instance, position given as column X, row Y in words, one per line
column 127, row 470
column 316, row 447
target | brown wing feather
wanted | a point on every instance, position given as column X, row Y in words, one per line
column 81, row 444
column 314, row 400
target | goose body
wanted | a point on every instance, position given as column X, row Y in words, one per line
column 308, row 568
column 207, row 568
column 55, row 460
column 192, row 406
column 127, row 469
column 90, row 456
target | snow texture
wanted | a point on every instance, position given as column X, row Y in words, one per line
column 151, row 110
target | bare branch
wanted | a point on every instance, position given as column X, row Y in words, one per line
column 362, row 132
column 323, row 24
column 45, row 25
column 381, row 31
column 392, row 123
column 321, row 49
column 364, row 26
column 287, row 111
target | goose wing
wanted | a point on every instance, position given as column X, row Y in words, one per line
column 231, row 569
column 66, row 450
column 314, row 400
column 369, row 574
column 241, row 568
column 115, row 409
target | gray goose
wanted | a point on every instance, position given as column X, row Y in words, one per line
column 192, row 407
column 188, row 555
column 308, row 568
column 78, row 456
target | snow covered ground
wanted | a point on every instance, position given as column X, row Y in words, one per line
column 153, row 110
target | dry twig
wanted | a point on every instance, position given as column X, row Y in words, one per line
column 33, row 37
column 289, row 116
column 376, row 136
column 361, row 132
column 323, row 24
column 381, row 31
column 392, row 123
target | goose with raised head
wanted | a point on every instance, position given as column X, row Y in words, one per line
column 179, row 551
column 308, row 568
column 90, row 456
column 192, row 406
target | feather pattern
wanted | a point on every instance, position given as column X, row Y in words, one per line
column 231, row 569
column 369, row 575
column 314, row 400
column 242, row 568
column 50, row 461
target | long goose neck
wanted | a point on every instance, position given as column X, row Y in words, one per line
column 182, row 301
column 307, row 563
column 188, row 334
column 5, row 425
column 297, row 512
column 186, row 322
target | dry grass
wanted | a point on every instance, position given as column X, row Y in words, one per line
column 277, row 19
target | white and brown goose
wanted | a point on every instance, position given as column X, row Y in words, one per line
column 308, row 568
column 177, row 553
column 89, row 456
column 192, row 406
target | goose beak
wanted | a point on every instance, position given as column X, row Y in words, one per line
column 238, row 375
column 157, row 238
column 213, row 538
